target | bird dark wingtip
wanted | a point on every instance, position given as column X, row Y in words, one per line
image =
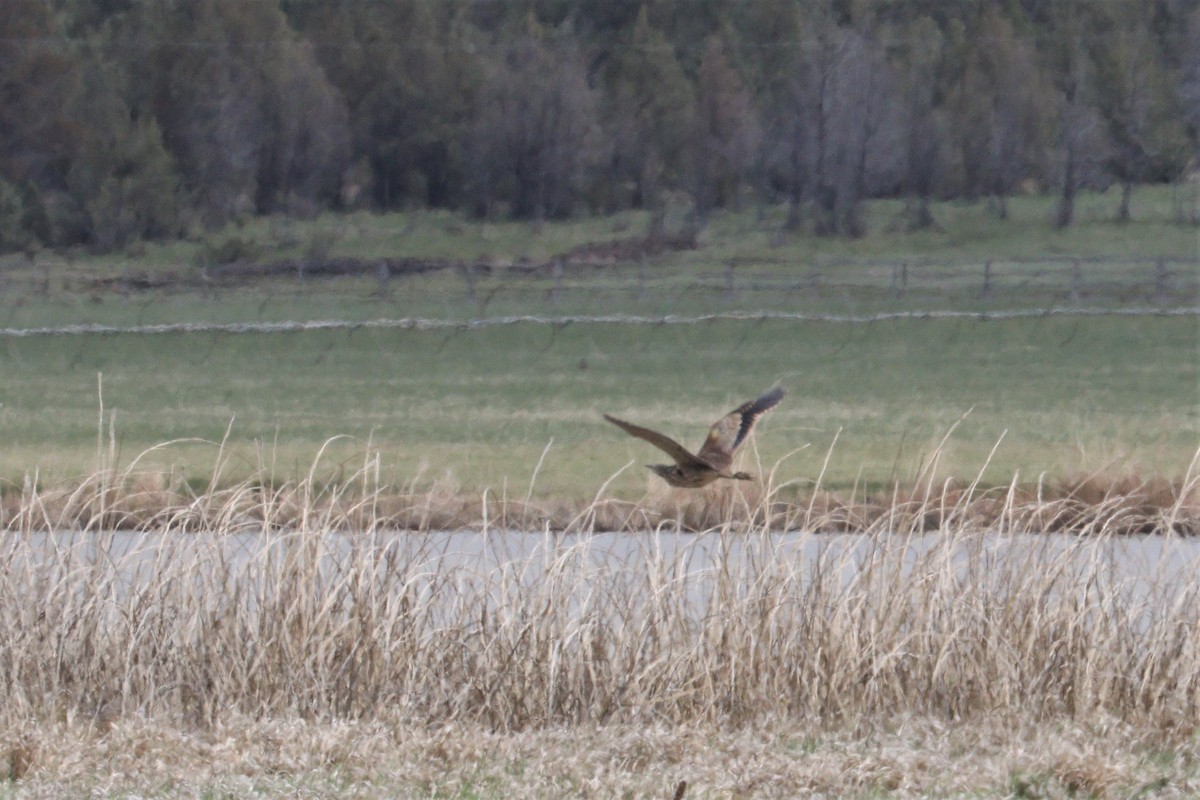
column 767, row 401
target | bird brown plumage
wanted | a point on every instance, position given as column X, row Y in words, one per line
column 715, row 456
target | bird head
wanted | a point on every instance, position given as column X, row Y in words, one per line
column 664, row 471
column 743, row 476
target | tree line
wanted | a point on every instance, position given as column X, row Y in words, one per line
column 122, row 120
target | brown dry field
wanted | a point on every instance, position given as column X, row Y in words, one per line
column 997, row 756
column 383, row 669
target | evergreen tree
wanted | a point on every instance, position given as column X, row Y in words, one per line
column 122, row 178
column 727, row 130
column 690, row 26
column 533, row 144
column 407, row 85
column 1000, row 104
column 1189, row 80
column 1135, row 100
column 90, row 171
column 40, row 74
column 651, row 111
column 242, row 104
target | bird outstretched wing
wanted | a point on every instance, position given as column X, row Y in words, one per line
column 674, row 449
column 728, row 433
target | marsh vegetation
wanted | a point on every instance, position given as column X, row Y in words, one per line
column 299, row 629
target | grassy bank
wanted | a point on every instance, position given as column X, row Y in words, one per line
column 741, row 260
column 964, row 231
column 482, row 408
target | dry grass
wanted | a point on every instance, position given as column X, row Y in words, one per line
column 136, row 499
column 293, row 632
column 917, row 757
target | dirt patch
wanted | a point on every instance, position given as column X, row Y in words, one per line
column 596, row 255
column 332, row 268
column 244, row 273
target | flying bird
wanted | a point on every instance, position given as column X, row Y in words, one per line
column 716, row 454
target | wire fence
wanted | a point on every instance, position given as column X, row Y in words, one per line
column 590, row 289
column 420, row 323
column 1073, row 281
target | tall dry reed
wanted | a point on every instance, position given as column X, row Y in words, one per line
column 304, row 601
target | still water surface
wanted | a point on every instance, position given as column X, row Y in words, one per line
column 497, row 563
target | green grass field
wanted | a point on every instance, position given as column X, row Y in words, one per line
column 477, row 408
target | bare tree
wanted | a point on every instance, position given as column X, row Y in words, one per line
column 221, row 133
column 800, row 107
column 923, row 127
column 1138, row 109
column 789, row 100
column 999, row 102
column 651, row 111
column 852, row 89
column 533, row 140
column 310, row 143
column 1189, row 84
column 1019, row 111
column 1081, row 147
column 1080, row 153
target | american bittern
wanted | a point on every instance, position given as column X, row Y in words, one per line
column 716, row 454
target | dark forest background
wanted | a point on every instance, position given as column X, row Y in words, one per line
column 122, row 120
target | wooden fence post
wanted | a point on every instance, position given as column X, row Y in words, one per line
column 383, row 278
column 468, row 274
column 1162, row 280
column 895, row 287
column 557, row 270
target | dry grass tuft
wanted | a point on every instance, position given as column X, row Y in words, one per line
column 19, row 755
column 139, row 500
column 300, row 631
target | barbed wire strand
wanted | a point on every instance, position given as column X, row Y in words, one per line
column 425, row 323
